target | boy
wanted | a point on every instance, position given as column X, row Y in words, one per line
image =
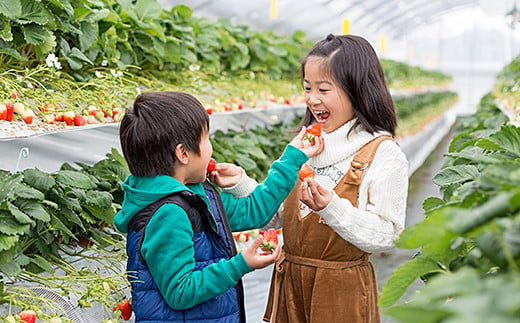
column 182, row 261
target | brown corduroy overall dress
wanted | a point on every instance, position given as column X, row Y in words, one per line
column 320, row 277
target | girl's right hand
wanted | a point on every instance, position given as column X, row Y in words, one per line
column 256, row 260
column 309, row 148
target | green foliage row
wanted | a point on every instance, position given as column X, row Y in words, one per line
column 122, row 33
column 47, row 221
column 400, row 75
column 408, row 105
column 469, row 241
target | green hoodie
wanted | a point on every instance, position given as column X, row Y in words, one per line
column 168, row 248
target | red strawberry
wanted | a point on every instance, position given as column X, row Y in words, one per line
column 126, row 309
column 28, row 116
column 10, row 110
column 3, row 112
column 211, row 165
column 78, row 120
column 305, row 173
column 270, row 241
column 209, row 110
column 312, row 132
column 241, row 236
column 68, row 117
column 92, row 110
column 27, row 316
column 14, row 94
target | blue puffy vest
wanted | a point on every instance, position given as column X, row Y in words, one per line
column 210, row 247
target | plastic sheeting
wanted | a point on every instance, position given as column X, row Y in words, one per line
column 90, row 144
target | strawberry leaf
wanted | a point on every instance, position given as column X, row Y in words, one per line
column 73, row 178
column 34, row 209
column 8, row 241
column 38, row 179
column 26, row 192
column 8, row 225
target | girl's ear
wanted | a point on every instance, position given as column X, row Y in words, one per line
column 182, row 154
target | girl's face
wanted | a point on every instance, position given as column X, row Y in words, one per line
column 327, row 101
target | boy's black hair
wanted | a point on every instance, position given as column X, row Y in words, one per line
column 354, row 65
column 151, row 130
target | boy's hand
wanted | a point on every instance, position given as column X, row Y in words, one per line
column 315, row 196
column 256, row 260
column 309, row 148
column 226, row 175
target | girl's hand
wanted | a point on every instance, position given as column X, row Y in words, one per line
column 256, row 260
column 315, row 196
column 226, row 175
column 309, row 148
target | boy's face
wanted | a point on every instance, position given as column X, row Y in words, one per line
column 199, row 163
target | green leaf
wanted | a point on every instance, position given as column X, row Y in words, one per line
column 7, row 185
column 62, row 228
column 11, row 8
column 148, row 9
column 9, row 226
column 33, row 12
column 247, row 163
column 464, row 220
column 455, row 174
column 38, row 179
column 19, row 215
column 42, row 263
column 182, row 11
column 417, row 313
column 73, row 178
column 88, row 37
column 404, row 276
column 5, row 29
column 10, row 268
column 103, row 214
column 35, row 34
column 34, row 209
column 27, row 192
column 76, row 53
column 65, row 5
column 508, row 139
column 432, row 203
column 100, row 199
column 8, row 241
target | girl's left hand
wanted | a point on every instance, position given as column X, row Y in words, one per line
column 315, row 196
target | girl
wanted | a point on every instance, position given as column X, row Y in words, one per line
column 356, row 204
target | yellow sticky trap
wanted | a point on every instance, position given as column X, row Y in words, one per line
column 382, row 44
column 274, row 9
column 346, row 27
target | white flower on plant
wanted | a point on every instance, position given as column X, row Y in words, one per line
column 104, row 62
column 194, row 67
column 116, row 73
column 98, row 74
column 52, row 61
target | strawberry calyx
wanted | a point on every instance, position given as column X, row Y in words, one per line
column 270, row 241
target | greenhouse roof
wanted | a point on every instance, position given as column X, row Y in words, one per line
column 394, row 18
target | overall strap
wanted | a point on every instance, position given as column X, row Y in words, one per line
column 359, row 163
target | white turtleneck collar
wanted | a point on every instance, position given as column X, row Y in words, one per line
column 339, row 147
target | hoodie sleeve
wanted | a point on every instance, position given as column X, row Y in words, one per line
column 168, row 250
column 257, row 209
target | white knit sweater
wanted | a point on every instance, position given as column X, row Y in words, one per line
column 379, row 216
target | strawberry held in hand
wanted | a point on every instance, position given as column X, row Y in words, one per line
column 211, row 165
column 27, row 316
column 305, row 173
column 270, row 241
column 312, row 131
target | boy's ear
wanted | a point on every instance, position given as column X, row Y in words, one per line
column 182, row 154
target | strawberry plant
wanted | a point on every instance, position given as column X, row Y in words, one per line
column 469, row 253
